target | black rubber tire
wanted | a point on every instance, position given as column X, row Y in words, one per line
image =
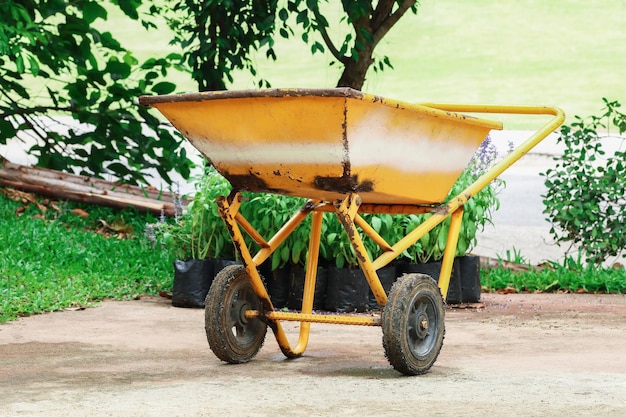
column 232, row 337
column 413, row 324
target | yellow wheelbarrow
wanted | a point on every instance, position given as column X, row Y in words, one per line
column 348, row 153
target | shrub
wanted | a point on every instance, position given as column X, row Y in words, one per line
column 570, row 275
column 267, row 213
column 586, row 189
column 198, row 232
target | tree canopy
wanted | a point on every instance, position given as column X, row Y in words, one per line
column 223, row 33
column 55, row 66
column 220, row 36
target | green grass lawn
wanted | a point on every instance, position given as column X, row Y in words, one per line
column 54, row 260
column 565, row 53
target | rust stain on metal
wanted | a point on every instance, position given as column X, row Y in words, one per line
column 351, row 232
column 255, row 93
column 272, row 325
column 359, row 256
column 308, row 207
column 443, row 209
column 248, row 182
column 344, row 140
column 344, row 184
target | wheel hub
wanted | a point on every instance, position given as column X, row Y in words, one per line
column 241, row 306
column 422, row 325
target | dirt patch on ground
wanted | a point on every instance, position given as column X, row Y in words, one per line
column 519, row 354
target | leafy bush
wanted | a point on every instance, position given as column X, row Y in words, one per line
column 199, row 231
column 268, row 213
column 338, row 250
column 587, row 190
column 209, row 237
column 477, row 214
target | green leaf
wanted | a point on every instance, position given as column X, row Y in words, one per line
column 33, row 65
column 340, row 260
column 442, row 238
column 376, row 223
column 129, row 7
column 92, row 11
column 303, row 18
column 284, row 253
column 19, row 64
column 7, row 131
column 130, row 59
column 117, row 70
column 317, row 47
column 163, row 87
column 276, row 261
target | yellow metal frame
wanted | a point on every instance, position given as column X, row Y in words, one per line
column 347, row 211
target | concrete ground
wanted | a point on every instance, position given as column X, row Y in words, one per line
column 515, row 355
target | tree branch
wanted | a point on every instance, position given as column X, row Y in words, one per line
column 329, row 43
column 383, row 9
column 361, row 22
column 381, row 23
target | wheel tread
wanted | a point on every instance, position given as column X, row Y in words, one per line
column 216, row 307
column 394, row 320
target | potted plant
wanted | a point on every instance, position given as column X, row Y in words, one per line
column 298, row 244
column 284, row 272
column 347, row 289
column 390, row 228
column 477, row 214
column 426, row 255
column 199, row 240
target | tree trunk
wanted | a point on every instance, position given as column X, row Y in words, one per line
column 369, row 29
column 354, row 72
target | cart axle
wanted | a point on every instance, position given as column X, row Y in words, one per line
column 317, row 318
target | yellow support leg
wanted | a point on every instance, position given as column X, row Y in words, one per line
column 228, row 212
column 307, row 297
column 450, row 251
column 346, row 211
